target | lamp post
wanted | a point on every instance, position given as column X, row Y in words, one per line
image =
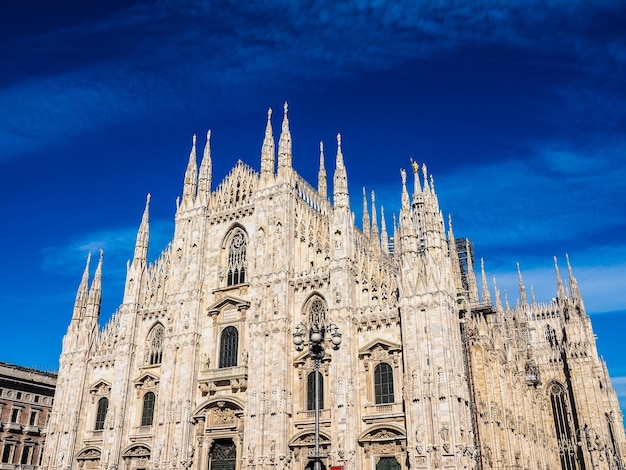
column 317, row 337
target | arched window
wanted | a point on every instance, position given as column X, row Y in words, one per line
column 317, row 312
column 147, row 413
column 310, row 391
column 616, row 455
column 228, row 347
column 237, row 259
column 155, row 345
column 551, row 336
column 101, row 414
column 562, row 426
column 383, row 383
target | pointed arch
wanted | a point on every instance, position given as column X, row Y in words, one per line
column 315, row 309
column 235, row 244
column 563, row 428
column 154, row 345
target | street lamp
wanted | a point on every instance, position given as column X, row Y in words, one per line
column 317, row 337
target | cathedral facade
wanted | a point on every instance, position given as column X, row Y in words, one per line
column 197, row 369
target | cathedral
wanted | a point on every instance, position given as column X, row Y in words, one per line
column 272, row 333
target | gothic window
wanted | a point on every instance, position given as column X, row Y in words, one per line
column 383, row 384
column 237, row 259
column 155, row 345
column 562, row 426
column 147, row 413
column 228, row 347
column 101, row 414
column 614, row 444
column 317, row 312
column 310, row 391
column 551, row 336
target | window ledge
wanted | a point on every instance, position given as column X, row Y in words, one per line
column 382, row 411
column 234, row 378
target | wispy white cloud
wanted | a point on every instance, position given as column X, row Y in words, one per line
column 117, row 245
column 553, row 195
column 600, row 285
column 619, row 385
column 212, row 49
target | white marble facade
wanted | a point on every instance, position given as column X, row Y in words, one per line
column 197, row 368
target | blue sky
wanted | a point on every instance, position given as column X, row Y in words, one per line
column 517, row 107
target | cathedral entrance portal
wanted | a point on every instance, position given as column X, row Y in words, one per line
column 387, row 463
column 223, row 455
column 310, row 466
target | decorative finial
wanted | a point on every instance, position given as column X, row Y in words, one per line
column 208, row 135
column 193, row 139
column 285, row 107
column 269, row 113
column 339, row 140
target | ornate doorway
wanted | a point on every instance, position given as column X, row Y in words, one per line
column 309, row 466
column 223, row 455
column 387, row 463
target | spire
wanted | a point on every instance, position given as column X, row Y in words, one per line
column 366, row 216
column 396, row 234
column 322, row 187
column 268, row 151
column 141, row 247
column 559, row 283
column 455, row 259
column 486, row 296
column 82, row 293
column 375, row 234
column 284, row 145
column 573, row 284
column 416, row 179
column 405, row 193
column 95, row 292
column 341, row 197
column 191, row 174
column 425, row 175
column 384, row 238
column 522, row 289
column 497, row 294
column 206, row 170
column 532, row 295
column 472, row 286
